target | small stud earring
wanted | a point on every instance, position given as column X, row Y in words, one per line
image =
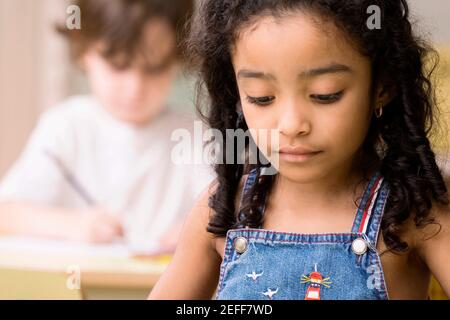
column 379, row 112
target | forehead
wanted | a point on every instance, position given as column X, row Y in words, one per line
column 155, row 46
column 158, row 37
column 298, row 39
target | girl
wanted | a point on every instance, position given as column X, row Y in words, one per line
column 359, row 208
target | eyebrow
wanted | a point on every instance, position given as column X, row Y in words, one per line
column 254, row 74
column 332, row 68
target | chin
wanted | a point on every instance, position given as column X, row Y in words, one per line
column 300, row 173
column 134, row 119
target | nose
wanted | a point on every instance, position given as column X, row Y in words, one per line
column 294, row 120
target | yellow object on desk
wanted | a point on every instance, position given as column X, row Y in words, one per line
column 436, row 292
column 103, row 272
column 17, row 284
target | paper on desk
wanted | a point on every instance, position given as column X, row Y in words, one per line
column 50, row 255
column 67, row 248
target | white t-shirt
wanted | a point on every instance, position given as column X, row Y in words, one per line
column 123, row 168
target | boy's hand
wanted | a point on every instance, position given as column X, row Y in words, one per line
column 97, row 225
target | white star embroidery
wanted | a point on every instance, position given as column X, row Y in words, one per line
column 254, row 275
column 269, row 293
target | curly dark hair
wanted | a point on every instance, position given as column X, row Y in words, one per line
column 397, row 143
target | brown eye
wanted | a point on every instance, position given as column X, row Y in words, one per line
column 261, row 101
column 327, row 98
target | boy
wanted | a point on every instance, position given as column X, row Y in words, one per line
column 99, row 167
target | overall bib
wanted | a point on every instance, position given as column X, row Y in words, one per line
column 264, row 264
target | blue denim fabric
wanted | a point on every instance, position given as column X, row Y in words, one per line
column 278, row 260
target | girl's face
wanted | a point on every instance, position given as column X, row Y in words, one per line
column 309, row 83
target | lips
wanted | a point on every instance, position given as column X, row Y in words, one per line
column 298, row 151
column 297, row 154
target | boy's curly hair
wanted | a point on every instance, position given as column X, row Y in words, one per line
column 119, row 25
column 397, row 143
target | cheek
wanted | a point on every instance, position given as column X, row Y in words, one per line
column 258, row 117
column 345, row 130
column 104, row 83
column 262, row 122
column 158, row 88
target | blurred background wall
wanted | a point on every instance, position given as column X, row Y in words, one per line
column 35, row 72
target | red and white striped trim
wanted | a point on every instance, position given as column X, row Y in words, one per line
column 370, row 203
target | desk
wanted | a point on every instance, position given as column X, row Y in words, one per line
column 102, row 272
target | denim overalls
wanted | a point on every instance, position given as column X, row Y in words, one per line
column 263, row 264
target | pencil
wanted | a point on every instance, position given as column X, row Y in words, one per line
column 71, row 179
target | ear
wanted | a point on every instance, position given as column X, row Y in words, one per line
column 386, row 91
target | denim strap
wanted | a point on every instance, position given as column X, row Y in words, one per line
column 370, row 211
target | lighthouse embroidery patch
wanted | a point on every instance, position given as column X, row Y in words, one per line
column 316, row 280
